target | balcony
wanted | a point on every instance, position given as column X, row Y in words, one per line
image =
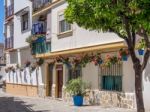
column 40, row 46
column 39, row 28
column 9, row 10
column 39, row 4
column 9, row 43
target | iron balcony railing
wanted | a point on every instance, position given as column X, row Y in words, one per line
column 39, row 28
column 9, row 42
column 38, row 4
column 9, row 10
column 40, row 47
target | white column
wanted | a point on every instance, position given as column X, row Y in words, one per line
column 7, row 58
column 27, row 75
column 40, row 82
column 19, row 56
column 65, row 75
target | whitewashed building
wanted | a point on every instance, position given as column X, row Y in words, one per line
column 21, row 78
column 53, row 37
column 72, row 41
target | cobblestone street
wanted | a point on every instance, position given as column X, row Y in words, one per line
column 9, row 103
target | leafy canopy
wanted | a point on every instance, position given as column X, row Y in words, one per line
column 117, row 16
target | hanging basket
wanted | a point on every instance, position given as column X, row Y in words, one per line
column 124, row 58
column 141, row 52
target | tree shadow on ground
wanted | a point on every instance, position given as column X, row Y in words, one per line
column 11, row 104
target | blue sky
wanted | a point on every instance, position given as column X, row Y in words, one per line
column 1, row 20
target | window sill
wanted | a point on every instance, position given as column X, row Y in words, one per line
column 24, row 31
column 65, row 34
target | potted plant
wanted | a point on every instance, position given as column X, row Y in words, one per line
column 6, row 70
column 40, row 62
column 110, row 60
column 27, row 63
column 77, row 88
column 141, row 46
column 124, row 54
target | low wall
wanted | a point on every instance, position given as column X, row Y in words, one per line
column 107, row 99
column 22, row 90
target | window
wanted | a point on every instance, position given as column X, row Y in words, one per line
column 111, row 77
column 48, row 46
column 73, row 74
column 63, row 24
column 25, row 22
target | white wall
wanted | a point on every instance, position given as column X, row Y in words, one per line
column 80, row 36
column 19, row 36
column 146, row 87
column 13, row 57
column 90, row 75
column 128, row 76
column 21, row 4
column 26, row 55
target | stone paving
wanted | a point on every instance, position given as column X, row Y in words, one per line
column 9, row 103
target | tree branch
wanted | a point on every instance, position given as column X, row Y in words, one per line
column 121, row 36
column 145, row 60
column 133, row 38
column 147, row 53
column 146, row 39
column 127, row 28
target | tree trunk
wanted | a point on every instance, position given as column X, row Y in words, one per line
column 138, row 88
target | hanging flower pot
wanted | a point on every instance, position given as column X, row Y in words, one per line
column 141, row 45
column 124, row 58
column 124, row 54
column 141, row 51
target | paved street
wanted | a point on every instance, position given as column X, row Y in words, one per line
column 9, row 103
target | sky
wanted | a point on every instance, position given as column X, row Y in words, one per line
column 1, row 20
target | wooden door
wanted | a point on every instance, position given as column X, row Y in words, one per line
column 60, row 83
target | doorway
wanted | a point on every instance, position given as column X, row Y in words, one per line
column 59, row 81
column 49, row 79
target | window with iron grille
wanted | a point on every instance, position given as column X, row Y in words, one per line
column 63, row 24
column 111, row 77
column 73, row 74
column 25, row 21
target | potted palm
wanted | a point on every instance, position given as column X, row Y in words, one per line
column 77, row 88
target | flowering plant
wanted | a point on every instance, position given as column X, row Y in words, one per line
column 123, row 52
column 97, row 60
column 110, row 60
column 32, row 38
column 27, row 63
column 40, row 62
column 141, row 44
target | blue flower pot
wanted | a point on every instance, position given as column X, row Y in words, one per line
column 78, row 100
column 141, row 51
column 124, row 58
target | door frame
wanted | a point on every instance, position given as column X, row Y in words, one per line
column 48, row 76
column 56, row 89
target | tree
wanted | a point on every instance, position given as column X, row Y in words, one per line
column 126, row 18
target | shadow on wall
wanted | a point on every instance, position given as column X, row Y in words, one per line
column 147, row 72
column 9, row 104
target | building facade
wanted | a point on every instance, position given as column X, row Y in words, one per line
column 54, row 40
column 20, row 78
column 2, row 61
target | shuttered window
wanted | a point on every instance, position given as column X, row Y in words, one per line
column 111, row 77
column 63, row 24
column 25, row 22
